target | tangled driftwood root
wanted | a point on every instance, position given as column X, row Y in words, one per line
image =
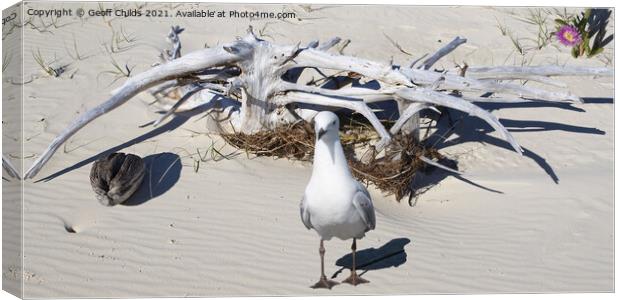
column 257, row 86
column 392, row 172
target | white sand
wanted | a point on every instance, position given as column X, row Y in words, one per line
column 233, row 227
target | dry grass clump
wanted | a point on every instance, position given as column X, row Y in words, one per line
column 391, row 172
column 295, row 141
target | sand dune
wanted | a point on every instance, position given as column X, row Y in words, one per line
column 544, row 223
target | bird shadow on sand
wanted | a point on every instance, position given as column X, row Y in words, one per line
column 392, row 254
column 162, row 172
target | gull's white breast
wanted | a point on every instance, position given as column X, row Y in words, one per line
column 330, row 204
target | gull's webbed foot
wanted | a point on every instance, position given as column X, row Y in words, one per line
column 355, row 279
column 324, row 283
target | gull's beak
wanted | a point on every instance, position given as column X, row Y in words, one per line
column 329, row 145
column 332, row 149
column 321, row 133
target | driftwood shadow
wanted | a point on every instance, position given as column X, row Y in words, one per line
column 597, row 100
column 392, row 254
column 162, row 172
column 489, row 106
column 177, row 120
column 598, row 21
column 470, row 129
column 431, row 176
column 175, row 123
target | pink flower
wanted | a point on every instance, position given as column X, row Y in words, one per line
column 568, row 35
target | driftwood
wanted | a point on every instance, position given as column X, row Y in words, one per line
column 116, row 177
column 256, row 87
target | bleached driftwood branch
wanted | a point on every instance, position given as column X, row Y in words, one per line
column 443, row 51
column 262, row 78
column 549, row 70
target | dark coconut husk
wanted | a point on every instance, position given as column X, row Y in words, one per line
column 391, row 171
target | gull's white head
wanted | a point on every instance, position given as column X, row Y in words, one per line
column 326, row 125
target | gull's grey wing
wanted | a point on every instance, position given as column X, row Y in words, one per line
column 305, row 214
column 363, row 205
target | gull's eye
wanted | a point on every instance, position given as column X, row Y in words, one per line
column 334, row 123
